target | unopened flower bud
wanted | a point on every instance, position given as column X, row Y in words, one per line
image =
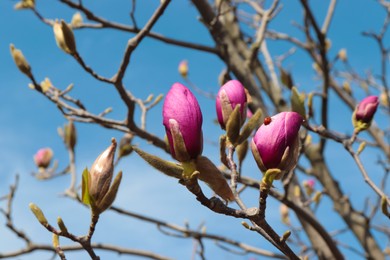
column 328, row 44
column 229, row 96
column 77, row 20
column 64, row 37
column 182, row 119
column 364, row 112
column 284, row 214
column 384, row 99
column 347, row 87
column 43, row 157
column 343, row 55
column 317, row 197
column 20, row 61
column 183, row 68
column 25, row 4
column 297, row 191
column 276, row 142
column 46, row 85
column 70, row 135
column 309, row 186
column 101, row 173
column 286, row 78
column 38, row 214
column 125, row 147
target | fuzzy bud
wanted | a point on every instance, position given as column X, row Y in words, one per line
column 20, row 61
column 46, row 85
column 70, row 135
column 25, row 4
column 364, row 112
column 77, row 20
column 276, row 142
column 101, row 173
column 38, row 214
column 343, row 55
column 183, row 68
column 284, row 214
column 384, row 99
column 43, row 157
column 125, row 147
column 309, row 186
column 229, row 96
column 64, row 37
column 347, row 87
column 182, row 119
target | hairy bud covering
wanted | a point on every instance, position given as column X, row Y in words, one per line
column 101, row 173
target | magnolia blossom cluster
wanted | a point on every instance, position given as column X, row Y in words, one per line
column 275, row 144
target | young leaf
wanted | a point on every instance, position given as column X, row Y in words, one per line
column 84, row 188
column 233, row 125
column 297, row 102
column 253, row 123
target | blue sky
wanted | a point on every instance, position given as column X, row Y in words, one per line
column 29, row 121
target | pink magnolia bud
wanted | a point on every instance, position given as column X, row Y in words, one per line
column 276, row 142
column 229, row 96
column 309, row 186
column 310, row 183
column 101, row 173
column 366, row 109
column 182, row 119
column 43, row 157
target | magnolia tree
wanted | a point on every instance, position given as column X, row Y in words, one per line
column 289, row 129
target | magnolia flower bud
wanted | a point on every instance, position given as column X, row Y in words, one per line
column 25, row 4
column 70, row 135
column 46, row 85
column 328, row 44
column 183, row 68
column 64, row 37
column 366, row 109
column 343, row 55
column 276, row 142
column 364, row 113
column 101, row 173
column 125, row 147
column 77, row 20
column 383, row 98
column 284, row 214
column 20, row 60
column 309, row 186
column 182, row 119
column 229, row 96
column 43, row 157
